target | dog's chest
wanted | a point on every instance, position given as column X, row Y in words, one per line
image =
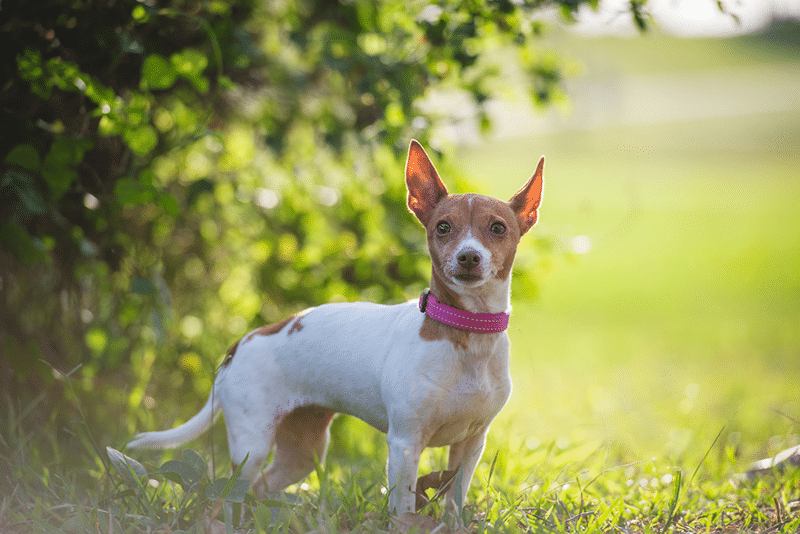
column 469, row 398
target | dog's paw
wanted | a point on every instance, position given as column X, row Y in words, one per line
column 414, row 522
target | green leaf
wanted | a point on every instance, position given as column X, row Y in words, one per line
column 130, row 191
column 25, row 156
column 157, row 73
column 139, row 13
column 97, row 340
column 180, row 472
column 30, row 69
column 109, row 125
column 228, row 489
column 21, row 184
column 168, row 204
column 20, row 244
column 190, row 64
column 193, row 458
column 59, row 164
column 263, row 517
column 142, row 139
column 101, row 95
column 127, row 467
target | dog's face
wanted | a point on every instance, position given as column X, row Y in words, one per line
column 472, row 239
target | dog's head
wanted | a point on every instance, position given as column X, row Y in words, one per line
column 472, row 238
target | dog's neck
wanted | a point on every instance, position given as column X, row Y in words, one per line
column 494, row 296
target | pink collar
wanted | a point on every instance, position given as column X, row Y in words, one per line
column 486, row 323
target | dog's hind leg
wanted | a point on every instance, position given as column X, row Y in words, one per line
column 301, row 440
column 255, row 447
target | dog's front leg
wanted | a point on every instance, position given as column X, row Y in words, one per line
column 464, row 455
column 402, row 466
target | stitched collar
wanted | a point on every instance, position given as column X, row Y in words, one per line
column 485, row 323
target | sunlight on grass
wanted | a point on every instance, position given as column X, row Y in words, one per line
column 684, row 314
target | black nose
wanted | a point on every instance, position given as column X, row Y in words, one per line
column 469, row 259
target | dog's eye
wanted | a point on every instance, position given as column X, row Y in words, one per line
column 498, row 228
column 443, row 228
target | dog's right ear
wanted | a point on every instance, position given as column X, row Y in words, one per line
column 425, row 188
column 526, row 201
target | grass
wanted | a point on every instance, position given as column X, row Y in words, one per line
column 550, row 487
column 648, row 371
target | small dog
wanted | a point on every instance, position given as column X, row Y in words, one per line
column 429, row 373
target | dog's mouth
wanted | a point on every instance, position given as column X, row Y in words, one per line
column 468, row 278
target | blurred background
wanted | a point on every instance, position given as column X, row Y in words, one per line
column 177, row 173
column 669, row 303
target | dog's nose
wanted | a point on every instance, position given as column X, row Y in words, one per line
column 469, row 259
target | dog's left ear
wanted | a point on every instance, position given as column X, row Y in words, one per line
column 525, row 202
column 425, row 188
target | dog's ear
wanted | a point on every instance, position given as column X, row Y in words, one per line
column 425, row 188
column 525, row 202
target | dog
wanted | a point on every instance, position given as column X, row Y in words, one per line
column 429, row 373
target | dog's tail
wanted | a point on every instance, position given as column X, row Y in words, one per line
column 169, row 439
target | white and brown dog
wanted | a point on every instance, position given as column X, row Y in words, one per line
column 429, row 373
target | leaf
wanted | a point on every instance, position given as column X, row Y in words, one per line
column 130, row 191
column 190, row 64
column 21, row 244
column 109, row 125
column 59, row 165
column 181, row 472
column 262, row 516
column 228, row 489
column 25, row 156
column 142, row 139
column 21, row 184
column 168, row 204
column 193, row 458
column 127, row 467
column 157, row 73
column 232, row 489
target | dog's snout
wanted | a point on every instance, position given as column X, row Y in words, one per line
column 469, row 259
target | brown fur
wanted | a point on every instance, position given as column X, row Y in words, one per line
column 432, row 330
column 270, row 329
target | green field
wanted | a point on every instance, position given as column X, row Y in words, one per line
column 686, row 308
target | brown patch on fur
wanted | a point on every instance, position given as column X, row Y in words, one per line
column 296, row 326
column 270, row 329
column 231, row 351
column 433, row 330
